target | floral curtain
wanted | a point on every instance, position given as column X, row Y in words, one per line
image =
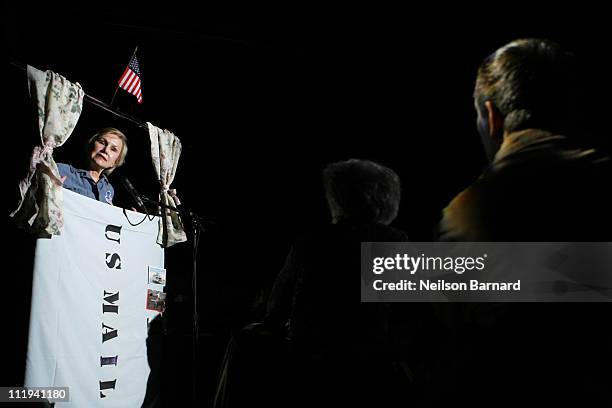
column 59, row 104
column 165, row 152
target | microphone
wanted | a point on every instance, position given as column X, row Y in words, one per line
column 133, row 192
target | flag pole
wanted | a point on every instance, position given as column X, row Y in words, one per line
column 117, row 88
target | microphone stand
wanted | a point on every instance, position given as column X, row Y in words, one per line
column 197, row 225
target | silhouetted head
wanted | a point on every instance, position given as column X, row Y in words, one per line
column 106, row 150
column 362, row 190
column 528, row 83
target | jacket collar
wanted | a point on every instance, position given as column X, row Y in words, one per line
column 523, row 140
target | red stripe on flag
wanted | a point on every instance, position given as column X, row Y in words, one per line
column 130, row 78
column 124, row 76
column 134, row 84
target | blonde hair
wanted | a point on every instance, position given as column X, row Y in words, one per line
column 124, row 147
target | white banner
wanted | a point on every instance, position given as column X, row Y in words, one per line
column 95, row 288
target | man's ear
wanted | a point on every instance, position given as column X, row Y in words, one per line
column 495, row 120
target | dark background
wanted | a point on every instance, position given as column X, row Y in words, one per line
column 262, row 99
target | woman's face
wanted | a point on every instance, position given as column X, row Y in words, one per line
column 106, row 151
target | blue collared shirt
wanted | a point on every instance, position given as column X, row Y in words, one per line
column 80, row 182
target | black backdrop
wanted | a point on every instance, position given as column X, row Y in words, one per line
column 262, row 99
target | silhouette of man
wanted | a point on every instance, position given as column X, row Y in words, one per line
column 544, row 183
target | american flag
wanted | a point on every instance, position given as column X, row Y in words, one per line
column 130, row 80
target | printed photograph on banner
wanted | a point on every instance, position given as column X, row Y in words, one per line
column 157, row 276
column 156, row 300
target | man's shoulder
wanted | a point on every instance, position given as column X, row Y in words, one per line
column 462, row 218
column 470, row 196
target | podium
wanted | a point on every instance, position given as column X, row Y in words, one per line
column 95, row 289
